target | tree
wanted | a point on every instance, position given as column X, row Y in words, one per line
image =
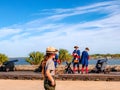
column 64, row 55
column 3, row 58
column 35, row 58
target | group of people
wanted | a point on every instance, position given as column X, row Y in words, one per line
column 80, row 59
column 50, row 63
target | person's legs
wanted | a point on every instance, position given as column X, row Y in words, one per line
column 55, row 63
column 78, row 68
column 82, row 69
column 74, row 67
column 86, row 69
column 48, row 86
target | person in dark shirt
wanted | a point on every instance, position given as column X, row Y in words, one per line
column 55, row 59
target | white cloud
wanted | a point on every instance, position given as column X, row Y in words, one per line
column 8, row 31
column 105, row 7
column 101, row 35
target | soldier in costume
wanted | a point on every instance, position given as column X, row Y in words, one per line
column 76, row 59
column 84, row 60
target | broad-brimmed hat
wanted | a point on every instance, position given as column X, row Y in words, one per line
column 50, row 49
column 76, row 47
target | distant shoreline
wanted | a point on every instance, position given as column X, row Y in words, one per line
column 21, row 61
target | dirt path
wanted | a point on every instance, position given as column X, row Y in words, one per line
column 61, row 85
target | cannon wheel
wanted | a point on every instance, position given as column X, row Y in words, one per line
column 14, row 69
column 107, row 71
column 7, row 69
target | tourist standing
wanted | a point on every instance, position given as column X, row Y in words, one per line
column 49, row 69
column 56, row 58
column 84, row 60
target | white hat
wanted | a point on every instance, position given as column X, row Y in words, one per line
column 50, row 49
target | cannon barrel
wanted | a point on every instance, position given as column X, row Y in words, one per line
column 11, row 61
column 102, row 60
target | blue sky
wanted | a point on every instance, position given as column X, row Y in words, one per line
column 33, row 25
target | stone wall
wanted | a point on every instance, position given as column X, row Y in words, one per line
column 61, row 67
column 25, row 67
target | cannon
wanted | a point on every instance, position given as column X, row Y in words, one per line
column 68, row 69
column 8, row 66
column 101, row 66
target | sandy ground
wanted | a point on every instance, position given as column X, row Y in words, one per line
column 61, row 85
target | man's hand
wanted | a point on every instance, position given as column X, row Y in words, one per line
column 53, row 83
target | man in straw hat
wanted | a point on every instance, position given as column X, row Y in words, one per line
column 84, row 60
column 49, row 69
column 76, row 59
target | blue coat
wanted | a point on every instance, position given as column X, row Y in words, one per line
column 78, row 54
column 55, row 60
column 77, row 51
column 84, row 58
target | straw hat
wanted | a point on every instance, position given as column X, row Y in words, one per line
column 50, row 49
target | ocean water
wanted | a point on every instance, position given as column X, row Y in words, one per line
column 109, row 62
column 21, row 61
